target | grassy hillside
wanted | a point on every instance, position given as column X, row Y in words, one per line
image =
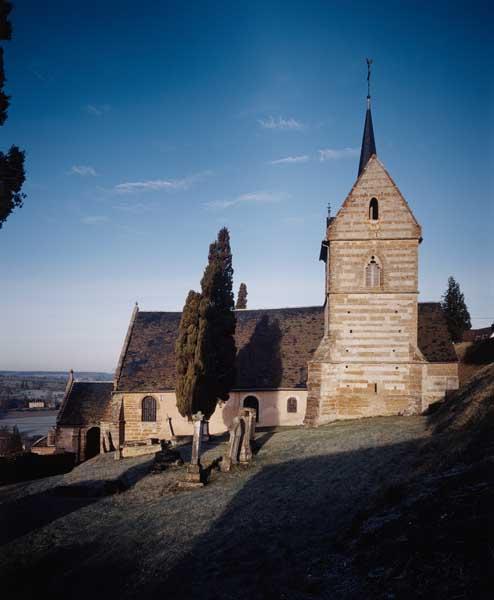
column 430, row 532
column 398, row 507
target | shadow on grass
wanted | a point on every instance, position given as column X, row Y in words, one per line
column 26, row 514
column 274, row 539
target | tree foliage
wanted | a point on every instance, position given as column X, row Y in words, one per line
column 456, row 311
column 242, row 296
column 12, row 177
column 206, row 372
column 4, row 99
column 185, row 349
column 12, row 174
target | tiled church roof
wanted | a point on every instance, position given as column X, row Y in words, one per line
column 273, row 348
column 273, row 345
column 86, row 403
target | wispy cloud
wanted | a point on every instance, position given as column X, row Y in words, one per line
column 250, row 198
column 281, row 124
column 290, row 160
column 82, row 170
column 97, row 110
column 94, row 220
column 156, row 185
column 333, row 154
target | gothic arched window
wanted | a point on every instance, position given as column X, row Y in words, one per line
column 372, row 274
column 148, row 409
column 373, row 210
column 291, row 405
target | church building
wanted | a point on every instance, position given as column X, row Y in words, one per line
column 371, row 349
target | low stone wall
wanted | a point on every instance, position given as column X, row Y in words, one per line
column 440, row 378
column 137, row 450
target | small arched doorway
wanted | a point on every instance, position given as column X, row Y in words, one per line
column 252, row 402
column 92, row 442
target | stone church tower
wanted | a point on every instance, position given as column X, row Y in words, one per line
column 368, row 362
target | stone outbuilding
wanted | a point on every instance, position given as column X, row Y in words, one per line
column 84, row 422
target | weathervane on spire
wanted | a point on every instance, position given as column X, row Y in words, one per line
column 369, row 62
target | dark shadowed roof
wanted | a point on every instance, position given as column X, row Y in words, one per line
column 433, row 336
column 87, row 403
column 273, row 347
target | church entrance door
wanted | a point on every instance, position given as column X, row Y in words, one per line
column 252, row 402
column 92, row 442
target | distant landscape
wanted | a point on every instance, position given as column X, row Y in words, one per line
column 30, row 400
column 79, row 375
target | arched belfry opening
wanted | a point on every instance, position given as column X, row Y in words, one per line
column 374, row 210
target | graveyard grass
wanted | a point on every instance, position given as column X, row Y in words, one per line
column 267, row 531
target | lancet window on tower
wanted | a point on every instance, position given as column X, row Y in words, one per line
column 373, row 274
column 374, row 210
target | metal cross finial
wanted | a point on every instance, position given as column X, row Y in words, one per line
column 369, row 62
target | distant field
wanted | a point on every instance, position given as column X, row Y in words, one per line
column 85, row 375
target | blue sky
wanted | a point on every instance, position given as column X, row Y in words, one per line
column 149, row 125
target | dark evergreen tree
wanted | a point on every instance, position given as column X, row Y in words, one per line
column 185, row 350
column 242, row 296
column 456, row 311
column 210, row 325
column 12, row 163
column 16, row 440
column 4, row 99
column 215, row 356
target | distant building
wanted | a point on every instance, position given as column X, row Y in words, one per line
column 46, row 444
column 36, row 404
column 477, row 335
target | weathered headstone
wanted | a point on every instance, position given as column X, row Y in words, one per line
column 205, row 431
column 193, row 476
column 233, row 445
column 248, row 416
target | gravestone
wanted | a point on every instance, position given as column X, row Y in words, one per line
column 193, row 476
column 248, row 416
column 233, row 445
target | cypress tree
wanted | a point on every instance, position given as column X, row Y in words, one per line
column 185, row 349
column 205, row 347
column 456, row 311
column 12, row 163
column 242, row 296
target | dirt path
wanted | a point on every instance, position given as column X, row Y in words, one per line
column 265, row 532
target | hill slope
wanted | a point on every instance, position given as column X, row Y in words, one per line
column 431, row 533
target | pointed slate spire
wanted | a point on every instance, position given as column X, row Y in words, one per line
column 368, row 141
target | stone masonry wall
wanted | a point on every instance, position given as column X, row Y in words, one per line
column 128, row 425
column 369, row 363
